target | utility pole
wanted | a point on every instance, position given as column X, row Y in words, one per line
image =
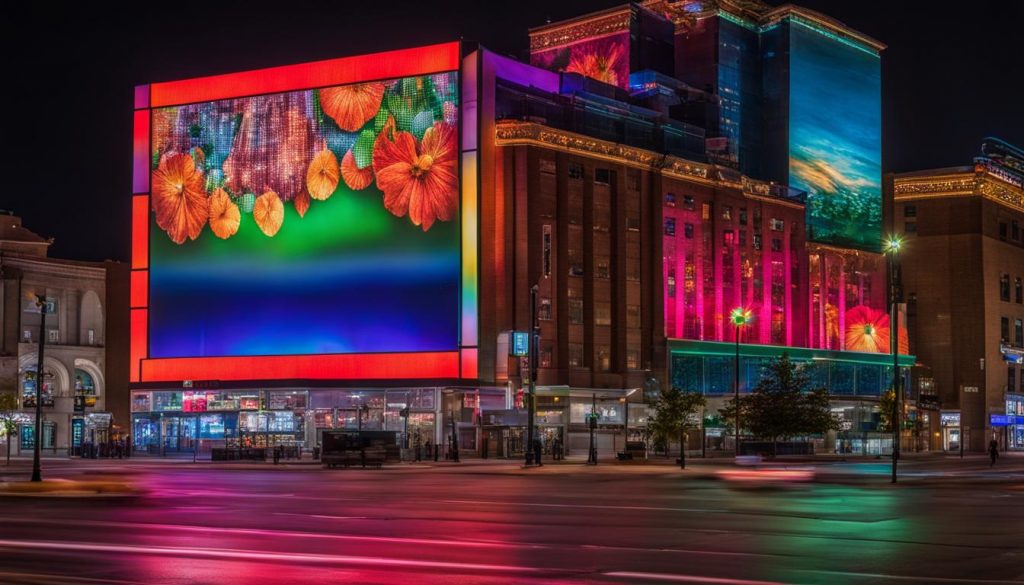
column 892, row 248
column 37, row 473
column 592, row 423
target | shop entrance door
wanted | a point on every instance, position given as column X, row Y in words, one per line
column 178, row 433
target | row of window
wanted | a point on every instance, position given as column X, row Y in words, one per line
column 604, row 358
column 727, row 236
column 1010, row 231
column 1018, row 331
column 53, row 336
column 1004, row 288
column 602, row 313
column 575, row 172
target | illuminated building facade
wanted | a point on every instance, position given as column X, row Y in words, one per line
column 642, row 202
column 966, row 225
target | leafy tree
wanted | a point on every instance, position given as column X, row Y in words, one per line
column 675, row 413
column 8, row 418
column 886, row 406
column 783, row 405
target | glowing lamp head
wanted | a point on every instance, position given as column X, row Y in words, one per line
column 740, row 316
column 893, row 244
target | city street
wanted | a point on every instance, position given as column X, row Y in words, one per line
column 949, row 521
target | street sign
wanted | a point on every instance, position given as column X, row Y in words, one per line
column 520, row 346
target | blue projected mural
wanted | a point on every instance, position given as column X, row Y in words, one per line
column 835, row 140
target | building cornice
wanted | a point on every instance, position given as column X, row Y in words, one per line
column 514, row 133
column 586, row 27
column 977, row 183
column 53, row 267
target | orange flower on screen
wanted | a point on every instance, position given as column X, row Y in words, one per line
column 268, row 213
column 224, row 215
column 356, row 178
column 599, row 66
column 869, row 329
column 352, row 106
column 322, row 176
column 418, row 177
column 179, row 200
column 301, row 203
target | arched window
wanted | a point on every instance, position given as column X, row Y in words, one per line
column 28, row 387
column 84, row 384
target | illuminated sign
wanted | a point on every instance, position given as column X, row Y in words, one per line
column 836, row 159
column 304, row 222
column 520, row 344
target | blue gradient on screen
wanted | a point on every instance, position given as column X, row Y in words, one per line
column 386, row 302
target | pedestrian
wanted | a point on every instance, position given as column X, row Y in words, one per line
column 993, row 451
column 538, row 450
column 429, row 452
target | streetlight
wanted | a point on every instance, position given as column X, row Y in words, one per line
column 891, row 247
column 740, row 318
column 37, row 474
column 534, row 354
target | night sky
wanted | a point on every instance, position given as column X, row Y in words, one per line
column 952, row 74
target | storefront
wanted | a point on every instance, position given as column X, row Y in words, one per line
column 949, row 421
column 187, row 421
column 1015, row 430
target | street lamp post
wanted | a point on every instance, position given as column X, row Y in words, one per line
column 37, row 473
column 740, row 318
column 892, row 249
column 592, row 424
column 534, row 352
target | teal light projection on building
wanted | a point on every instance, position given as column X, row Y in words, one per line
column 835, row 136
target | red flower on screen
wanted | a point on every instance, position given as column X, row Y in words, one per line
column 418, row 177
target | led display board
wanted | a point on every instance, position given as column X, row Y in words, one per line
column 835, row 141
column 302, row 222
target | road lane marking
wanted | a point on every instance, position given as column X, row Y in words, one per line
column 687, row 578
column 586, row 506
column 263, row 556
column 889, row 577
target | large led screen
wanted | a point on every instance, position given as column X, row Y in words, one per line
column 605, row 59
column 320, row 221
column 835, row 137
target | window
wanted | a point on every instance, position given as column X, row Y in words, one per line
column 1018, row 332
column 602, row 176
column 1015, row 231
column 688, row 231
column 778, row 225
column 670, row 199
column 705, row 211
column 576, row 311
column 910, row 227
column 728, row 238
column 776, row 244
column 547, row 166
column 544, row 309
column 575, row 171
column 601, row 268
column 576, row 355
column 1011, row 378
column 670, row 226
column 546, row 249
column 632, row 359
column 1004, row 329
column 26, row 336
column 1002, row 230
column 52, row 336
column 687, row 202
column 909, row 210
column 92, row 334
column 757, row 241
column 576, row 269
column 1004, row 287
column 743, row 238
column 633, row 180
column 602, row 314
column 633, row 224
column 743, row 216
column 1018, row 288
column 545, row 355
column 727, row 212
column 671, row 285
column 604, row 358
column 633, row 316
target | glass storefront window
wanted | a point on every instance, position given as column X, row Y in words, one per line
column 28, row 388
column 84, row 384
column 142, row 402
column 287, row 400
column 167, row 401
column 211, row 426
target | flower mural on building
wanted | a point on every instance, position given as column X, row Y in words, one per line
column 600, row 64
column 869, row 330
column 211, row 159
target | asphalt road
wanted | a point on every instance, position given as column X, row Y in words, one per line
column 948, row 522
